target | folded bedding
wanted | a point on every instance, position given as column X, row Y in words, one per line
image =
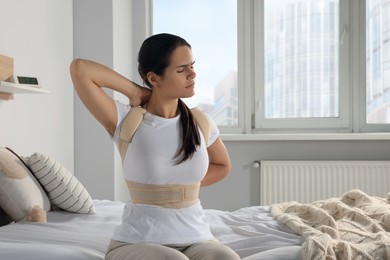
column 352, row 226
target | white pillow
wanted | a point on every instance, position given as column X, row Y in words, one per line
column 64, row 189
column 21, row 195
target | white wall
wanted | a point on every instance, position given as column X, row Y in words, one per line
column 103, row 32
column 38, row 35
column 94, row 151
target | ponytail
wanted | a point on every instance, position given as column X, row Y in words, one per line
column 190, row 133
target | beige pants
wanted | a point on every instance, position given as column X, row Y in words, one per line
column 210, row 250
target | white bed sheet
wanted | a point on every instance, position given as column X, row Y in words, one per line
column 254, row 234
column 251, row 232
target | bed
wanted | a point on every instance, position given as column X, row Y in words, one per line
column 52, row 216
column 252, row 232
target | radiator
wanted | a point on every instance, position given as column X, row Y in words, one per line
column 307, row 181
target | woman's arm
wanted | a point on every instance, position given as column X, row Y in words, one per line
column 219, row 165
column 88, row 79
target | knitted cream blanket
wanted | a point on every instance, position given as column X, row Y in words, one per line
column 354, row 226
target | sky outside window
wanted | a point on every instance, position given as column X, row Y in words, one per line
column 211, row 29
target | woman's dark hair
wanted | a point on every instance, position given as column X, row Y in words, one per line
column 154, row 56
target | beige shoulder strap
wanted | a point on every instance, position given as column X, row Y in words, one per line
column 135, row 116
column 129, row 126
column 203, row 122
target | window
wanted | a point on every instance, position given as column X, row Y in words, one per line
column 300, row 47
column 297, row 98
column 287, row 65
column 377, row 62
column 211, row 29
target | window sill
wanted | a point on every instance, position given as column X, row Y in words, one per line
column 305, row 137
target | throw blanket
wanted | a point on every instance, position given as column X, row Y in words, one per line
column 354, row 226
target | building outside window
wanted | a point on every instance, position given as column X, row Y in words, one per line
column 378, row 61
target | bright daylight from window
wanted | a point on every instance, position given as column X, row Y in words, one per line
column 378, row 61
column 211, row 29
column 301, row 58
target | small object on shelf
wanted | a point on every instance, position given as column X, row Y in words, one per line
column 6, row 67
column 26, row 80
column 6, row 72
column 6, row 96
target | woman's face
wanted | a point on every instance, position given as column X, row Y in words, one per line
column 178, row 80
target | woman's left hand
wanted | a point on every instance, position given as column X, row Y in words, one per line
column 219, row 163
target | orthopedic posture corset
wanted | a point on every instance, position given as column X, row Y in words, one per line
column 169, row 195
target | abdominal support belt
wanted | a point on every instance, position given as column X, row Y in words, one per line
column 164, row 195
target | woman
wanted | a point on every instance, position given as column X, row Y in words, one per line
column 167, row 151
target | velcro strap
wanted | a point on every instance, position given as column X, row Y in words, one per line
column 166, row 196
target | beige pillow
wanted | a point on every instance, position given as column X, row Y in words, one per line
column 21, row 195
column 64, row 189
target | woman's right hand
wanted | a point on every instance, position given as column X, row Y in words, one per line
column 141, row 98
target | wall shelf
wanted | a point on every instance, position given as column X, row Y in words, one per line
column 13, row 88
column 8, row 89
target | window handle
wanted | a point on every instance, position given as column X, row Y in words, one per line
column 342, row 34
column 256, row 164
